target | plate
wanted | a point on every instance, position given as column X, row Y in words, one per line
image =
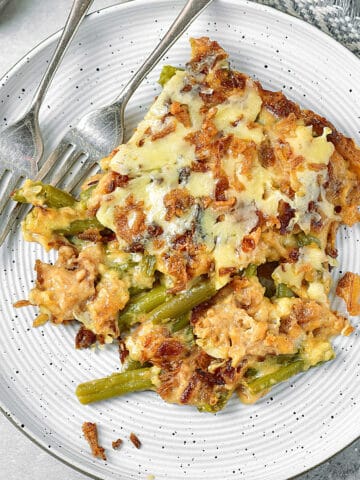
column 303, row 421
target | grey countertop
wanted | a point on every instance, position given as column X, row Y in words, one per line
column 23, row 24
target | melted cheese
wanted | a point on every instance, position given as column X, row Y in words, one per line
column 301, row 276
column 238, row 114
column 171, row 149
column 313, row 149
column 155, row 168
column 259, row 188
column 201, row 184
column 315, row 350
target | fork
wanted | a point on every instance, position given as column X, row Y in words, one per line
column 101, row 130
column 21, row 144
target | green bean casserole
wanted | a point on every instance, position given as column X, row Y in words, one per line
column 205, row 245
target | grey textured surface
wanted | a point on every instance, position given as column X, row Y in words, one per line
column 23, row 24
column 338, row 18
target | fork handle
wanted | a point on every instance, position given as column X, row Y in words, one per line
column 188, row 14
column 77, row 13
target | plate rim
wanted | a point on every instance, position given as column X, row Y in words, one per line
column 26, row 58
column 120, row 3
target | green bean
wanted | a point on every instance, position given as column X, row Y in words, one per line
column 18, row 196
column 223, row 398
column 148, row 265
column 130, row 364
column 179, row 323
column 251, row 372
column 284, row 358
column 186, row 336
column 136, row 290
column 39, row 193
column 78, row 226
column 167, row 72
column 283, row 290
column 121, row 267
column 142, row 304
column 283, row 373
column 115, row 385
column 302, row 239
column 271, row 361
column 182, row 303
column 86, row 194
column 250, row 270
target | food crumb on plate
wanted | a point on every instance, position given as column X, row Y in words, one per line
column 91, row 435
column 116, row 444
column 135, row 440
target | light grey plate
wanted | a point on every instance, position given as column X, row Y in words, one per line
column 302, row 422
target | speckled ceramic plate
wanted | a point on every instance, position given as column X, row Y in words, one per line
column 303, row 421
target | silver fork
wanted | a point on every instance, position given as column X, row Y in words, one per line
column 101, row 130
column 21, row 144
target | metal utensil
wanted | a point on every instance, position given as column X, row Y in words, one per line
column 21, row 144
column 101, row 130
